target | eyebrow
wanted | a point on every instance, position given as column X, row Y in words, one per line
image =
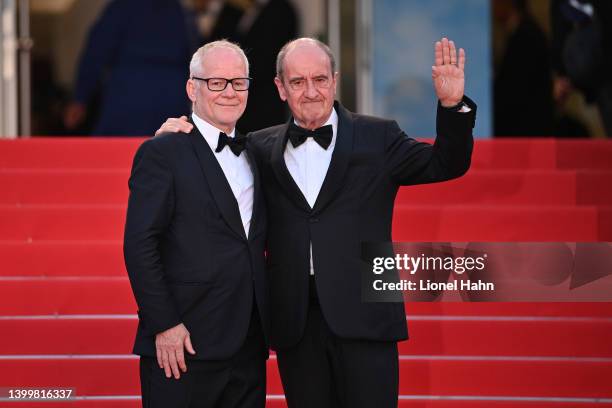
column 304, row 78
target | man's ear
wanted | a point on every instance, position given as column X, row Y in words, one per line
column 191, row 91
column 281, row 88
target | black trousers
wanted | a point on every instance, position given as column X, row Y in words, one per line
column 239, row 382
column 325, row 371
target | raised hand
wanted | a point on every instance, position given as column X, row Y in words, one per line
column 448, row 72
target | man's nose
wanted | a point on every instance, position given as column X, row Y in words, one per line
column 311, row 90
column 229, row 91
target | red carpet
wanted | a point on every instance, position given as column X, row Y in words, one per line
column 67, row 314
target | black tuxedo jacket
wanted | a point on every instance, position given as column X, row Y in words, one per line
column 185, row 248
column 371, row 159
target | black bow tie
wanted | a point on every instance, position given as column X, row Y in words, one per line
column 236, row 144
column 322, row 135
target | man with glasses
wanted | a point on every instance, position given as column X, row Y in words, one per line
column 330, row 177
column 194, row 250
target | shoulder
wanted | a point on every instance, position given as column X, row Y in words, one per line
column 165, row 145
column 370, row 126
column 367, row 120
column 266, row 137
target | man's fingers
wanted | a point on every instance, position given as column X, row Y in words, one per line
column 445, row 51
column 175, row 125
column 188, row 345
column 438, row 53
column 166, row 363
column 173, row 364
column 461, row 63
column 453, row 53
column 180, row 125
column 159, row 357
column 180, row 360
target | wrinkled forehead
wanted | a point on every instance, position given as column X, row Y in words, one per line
column 307, row 60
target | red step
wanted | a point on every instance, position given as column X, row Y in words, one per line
column 107, row 153
column 478, row 187
column 520, row 310
column 426, row 223
column 513, row 187
column 113, row 295
column 542, row 154
column 535, row 378
column 34, row 223
column 64, row 186
column 68, row 153
column 427, row 337
column 465, row 402
column 61, row 258
column 472, row 223
column 66, row 296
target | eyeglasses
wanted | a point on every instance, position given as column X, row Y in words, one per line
column 299, row 84
column 219, row 84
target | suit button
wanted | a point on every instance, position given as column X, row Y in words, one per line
column 313, row 220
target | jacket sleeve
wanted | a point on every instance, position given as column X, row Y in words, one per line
column 411, row 162
column 150, row 207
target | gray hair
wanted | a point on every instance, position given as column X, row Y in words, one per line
column 280, row 59
column 198, row 57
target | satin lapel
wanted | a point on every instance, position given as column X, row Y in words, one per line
column 257, row 193
column 340, row 158
column 219, row 186
column 282, row 172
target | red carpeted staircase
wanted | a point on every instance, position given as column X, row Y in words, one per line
column 67, row 315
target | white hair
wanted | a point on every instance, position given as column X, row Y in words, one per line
column 195, row 65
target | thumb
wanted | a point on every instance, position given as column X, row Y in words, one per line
column 435, row 72
column 188, row 345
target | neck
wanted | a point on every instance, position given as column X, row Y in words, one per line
column 227, row 129
column 314, row 124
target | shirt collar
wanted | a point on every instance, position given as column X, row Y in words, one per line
column 209, row 132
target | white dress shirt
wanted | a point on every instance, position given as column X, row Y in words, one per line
column 308, row 164
column 236, row 169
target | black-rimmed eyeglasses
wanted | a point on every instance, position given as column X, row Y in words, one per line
column 219, row 84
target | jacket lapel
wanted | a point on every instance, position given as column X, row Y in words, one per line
column 340, row 158
column 282, row 172
column 218, row 184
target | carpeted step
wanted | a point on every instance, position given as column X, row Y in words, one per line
column 428, row 336
column 443, row 376
column 534, row 153
column 51, row 186
column 33, row 296
column 74, row 153
column 108, row 153
column 497, row 223
column 410, row 223
column 62, row 258
column 514, row 187
column 277, row 401
column 478, row 187
column 113, row 295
